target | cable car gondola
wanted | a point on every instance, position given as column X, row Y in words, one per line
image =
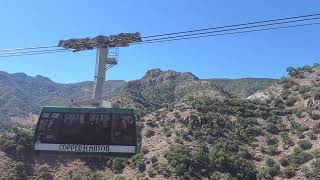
column 92, row 131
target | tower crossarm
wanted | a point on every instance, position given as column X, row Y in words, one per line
column 120, row 40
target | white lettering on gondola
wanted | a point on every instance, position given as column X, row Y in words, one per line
column 83, row 148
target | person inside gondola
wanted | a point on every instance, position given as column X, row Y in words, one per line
column 88, row 130
column 106, row 128
column 43, row 131
column 101, row 130
column 128, row 121
column 117, row 130
column 51, row 135
column 71, row 127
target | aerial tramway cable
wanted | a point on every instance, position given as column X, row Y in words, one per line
column 229, row 26
column 34, row 53
column 226, row 30
column 223, row 34
column 29, row 48
column 272, row 24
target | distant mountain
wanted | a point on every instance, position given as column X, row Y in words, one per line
column 158, row 88
column 21, row 95
column 242, row 87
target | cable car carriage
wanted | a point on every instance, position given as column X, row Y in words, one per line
column 92, row 131
column 90, row 127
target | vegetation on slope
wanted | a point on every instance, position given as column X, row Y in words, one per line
column 158, row 89
column 22, row 95
column 243, row 87
column 193, row 130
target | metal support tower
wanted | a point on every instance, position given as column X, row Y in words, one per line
column 100, row 75
column 103, row 63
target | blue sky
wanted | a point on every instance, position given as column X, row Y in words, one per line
column 260, row 54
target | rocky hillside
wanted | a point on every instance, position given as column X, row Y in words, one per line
column 22, row 95
column 157, row 89
column 243, row 87
column 290, row 149
column 194, row 129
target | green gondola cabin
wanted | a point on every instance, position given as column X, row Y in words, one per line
column 88, row 131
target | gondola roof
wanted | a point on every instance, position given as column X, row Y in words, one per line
column 66, row 109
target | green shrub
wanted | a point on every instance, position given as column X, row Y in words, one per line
column 305, row 145
column 154, row 159
column 316, row 94
column 316, row 153
column 284, row 162
column 8, row 145
column 312, row 136
column 286, row 139
column 292, row 71
column 226, row 158
column 20, row 150
column 144, row 150
column 295, row 87
column 287, row 83
column 272, row 128
column 216, row 176
column 307, row 68
column 149, row 133
column 75, row 176
column 298, row 157
column 317, row 168
column 316, row 128
column 272, row 167
column 43, row 172
column 219, row 176
column 315, row 115
column 291, row 100
column 162, row 169
column 118, row 164
column 151, row 172
column 93, row 176
column 285, row 94
column 272, row 140
column 119, row 178
column 283, row 80
column 179, row 158
column 306, row 95
column 304, row 89
column 297, row 127
column 19, row 146
column 262, row 174
column 177, row 115
column 272, row 150
column 20, row 169
column 308, row 172
column 289, row 172
column 137, row 161
column 167, row 132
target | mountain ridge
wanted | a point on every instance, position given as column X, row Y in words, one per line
column 191, row 129
column 26, row 94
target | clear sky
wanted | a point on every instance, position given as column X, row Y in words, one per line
column 260, row 54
